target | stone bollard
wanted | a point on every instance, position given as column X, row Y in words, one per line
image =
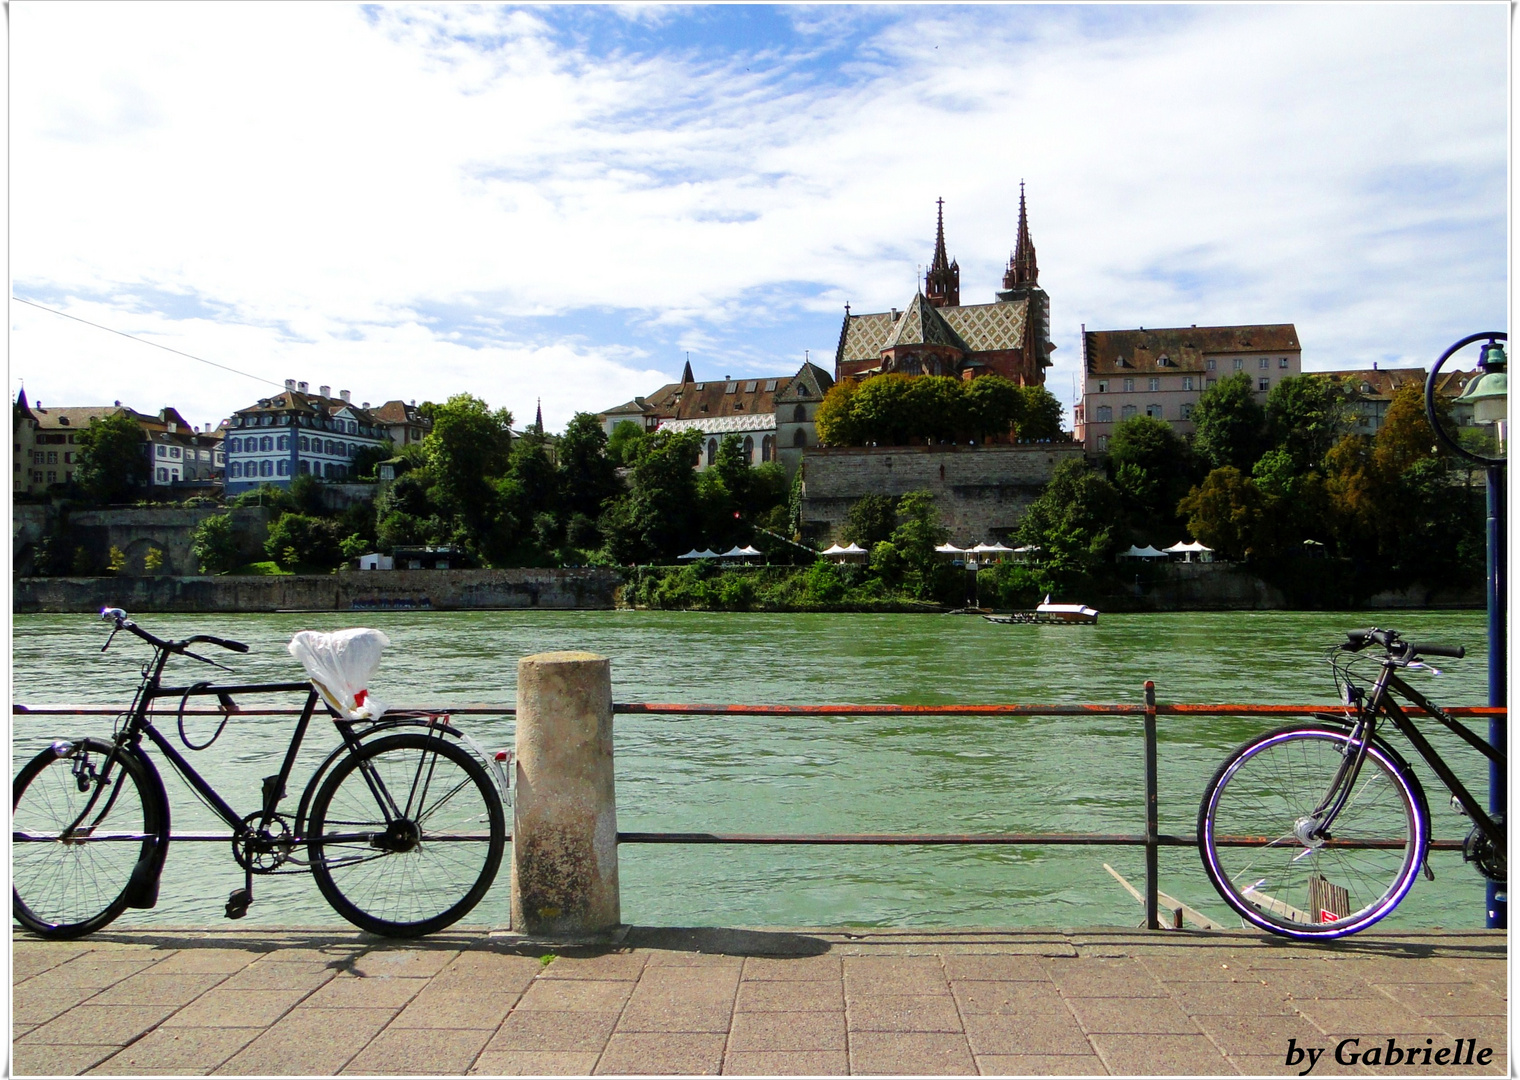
column 564, row 830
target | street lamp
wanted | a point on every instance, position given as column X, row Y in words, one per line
column 1488, row 395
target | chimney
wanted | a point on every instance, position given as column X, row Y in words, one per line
column 344, row 395
column 303, row 387
column 325, row 391
column 173, row 427
column 365, row 405
column 290, row 384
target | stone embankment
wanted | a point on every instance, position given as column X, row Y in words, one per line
column 406, row 590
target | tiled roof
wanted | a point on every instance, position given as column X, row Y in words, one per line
column 79, row 416
column 974, row 327
column 1184, row 348
column 811, row 381
column 724, row 425
column 1380, row 383
column 989, row 327
column 922, row 324
column 287, row 400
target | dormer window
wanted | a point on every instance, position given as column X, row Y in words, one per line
column 738, row 406
column 700, row 385
column 63, row 421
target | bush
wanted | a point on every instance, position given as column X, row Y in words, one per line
column 212, row 544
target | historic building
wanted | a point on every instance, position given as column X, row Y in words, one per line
column 1160, row 373
column 773, row 417
column 937, row 335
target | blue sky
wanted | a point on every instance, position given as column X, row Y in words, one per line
column 561, row 202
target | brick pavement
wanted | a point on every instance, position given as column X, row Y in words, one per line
column 937, row 1002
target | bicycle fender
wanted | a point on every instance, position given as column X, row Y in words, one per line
column 142, row 886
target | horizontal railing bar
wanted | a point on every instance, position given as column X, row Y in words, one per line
column 683, row 709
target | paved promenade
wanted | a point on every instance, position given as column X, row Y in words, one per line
column 246, row 1001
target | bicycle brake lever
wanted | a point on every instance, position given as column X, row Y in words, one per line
column 110, row 639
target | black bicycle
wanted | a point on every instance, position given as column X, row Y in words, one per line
column 1318, row 830
column 401, row 825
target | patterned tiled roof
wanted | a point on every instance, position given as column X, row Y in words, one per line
column 974, row 327
column 922, row 324
column 989, row 327
column 723, row 425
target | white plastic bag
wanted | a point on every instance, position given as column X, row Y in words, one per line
column 340, row 665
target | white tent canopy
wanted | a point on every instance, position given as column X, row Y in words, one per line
column 1147, row 552
column 834, row 549
column 853, row 549
column 692, row 554
column 950, row 549
column 1180, row 547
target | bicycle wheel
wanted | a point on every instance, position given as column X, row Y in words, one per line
column 1258, row 806
column 66, row 886
column 406, row 836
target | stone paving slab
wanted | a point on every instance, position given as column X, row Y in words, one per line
column 755, row 1002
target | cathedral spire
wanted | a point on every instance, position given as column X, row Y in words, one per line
column 942, row 284
column 1022, row 267
column 538, row 420
column 686, row 372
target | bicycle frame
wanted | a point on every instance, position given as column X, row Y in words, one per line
column 1381, row 700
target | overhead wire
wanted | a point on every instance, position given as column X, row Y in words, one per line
column 145, row 341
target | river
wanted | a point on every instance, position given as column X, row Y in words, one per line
column 809, row 774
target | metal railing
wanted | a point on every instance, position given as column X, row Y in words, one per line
column 1152, row 839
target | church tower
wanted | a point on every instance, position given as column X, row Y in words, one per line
column 1021, row 281
column 942, row 284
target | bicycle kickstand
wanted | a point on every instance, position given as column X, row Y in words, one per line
column 237, row 903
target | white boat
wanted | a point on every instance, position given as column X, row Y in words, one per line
column 1046, row 612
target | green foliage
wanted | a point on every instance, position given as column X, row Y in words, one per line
column 1306, row 416
column 153, row 559
column 116, row 560
column 1152, row 469
column 659, row 515
column 1012, row 585
column 1230, row 424
column 871, row 520
column 1230, row 514
column 213, row 544
column 917, row 535
column 896, row 409
column 468, row 445
column 622, row 447
column 279, row 499
column 587, row 473
column 824, row 584
column 1071, row 523
column 363, row 464
column 305, row 541
column 112, row 461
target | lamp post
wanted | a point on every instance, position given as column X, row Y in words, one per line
column 1487, row 395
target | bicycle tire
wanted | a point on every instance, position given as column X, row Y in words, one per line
column 69, row 888
column 421, row 871
column 1273, row 880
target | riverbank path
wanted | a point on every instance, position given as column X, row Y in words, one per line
column 937, row 1002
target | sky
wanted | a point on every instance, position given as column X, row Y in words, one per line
column 560, row 203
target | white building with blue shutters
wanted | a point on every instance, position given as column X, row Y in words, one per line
column 299, row 433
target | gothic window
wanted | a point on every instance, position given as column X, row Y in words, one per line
column 1126, row 412
column 799, row 438
column 749, row 449
column 712, row 451
column 1153, row 384
column 768, row 448
column 799, row 415
column 1105, row 414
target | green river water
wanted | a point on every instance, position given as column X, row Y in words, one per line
column 807, row 774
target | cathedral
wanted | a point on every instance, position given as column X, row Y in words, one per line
column 936, row 335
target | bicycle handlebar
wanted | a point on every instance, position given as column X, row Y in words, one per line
column 1357, row 640
column 119, row 617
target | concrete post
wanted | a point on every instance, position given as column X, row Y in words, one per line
column 564, row 831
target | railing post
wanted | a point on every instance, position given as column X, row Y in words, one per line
column 1152, row 821
column 564, row 830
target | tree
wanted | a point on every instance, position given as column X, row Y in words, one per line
column 935, row 408
column 468, row 445
column 1071, row 523
column 917, row 534
column 1042, row 414
column 835, row 419
column 658, row 517
column 871, row 520
column 302, row 540
column 153, row 560
column 995, row 407
column 1306, row 416
column 369, row 457
column 112, row 460
column 882, row 409
column 587, row 475
column 1229, row 424
column 1149, row 467
column 1229, row 513
column 622, row 445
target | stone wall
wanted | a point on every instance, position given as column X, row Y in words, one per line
column 132, row 530
column 981, row 491
column 360, row 590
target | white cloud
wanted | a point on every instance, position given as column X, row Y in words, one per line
column 317, row 184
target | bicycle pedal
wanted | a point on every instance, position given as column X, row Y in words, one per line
column 237, row 903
